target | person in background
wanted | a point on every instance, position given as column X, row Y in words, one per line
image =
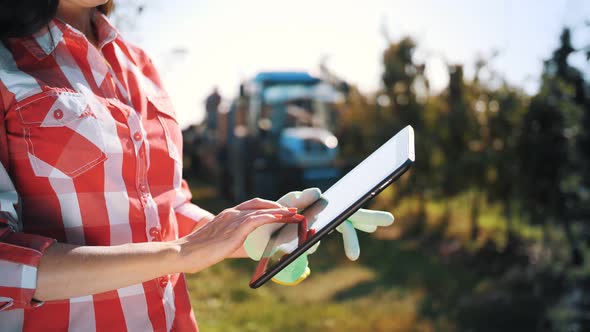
column 97, row 227
column 212, row 109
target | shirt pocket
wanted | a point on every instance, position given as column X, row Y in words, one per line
column 62, row 134
column 167, row 117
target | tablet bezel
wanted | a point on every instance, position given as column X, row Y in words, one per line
column 258, row 279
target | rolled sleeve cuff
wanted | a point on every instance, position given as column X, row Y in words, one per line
column 20, row 254
column 190, row 215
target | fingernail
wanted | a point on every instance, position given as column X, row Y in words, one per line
column 294, row 210
column 299, row 217
column 278, row 216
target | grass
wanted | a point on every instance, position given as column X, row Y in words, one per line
column 346, row 297
column 437, row 281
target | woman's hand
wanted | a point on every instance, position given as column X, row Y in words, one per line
column 225, row 234
column 256, row 242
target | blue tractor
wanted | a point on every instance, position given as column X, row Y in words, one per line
column 278, row 136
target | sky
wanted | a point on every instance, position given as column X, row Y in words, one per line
column 225, row 42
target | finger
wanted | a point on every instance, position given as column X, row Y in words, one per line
column 259, row 228
column 360, row 227
column 351, row 241
column 313, row 248
column 365, row 228
column 289, row 198
column 256, row 241
column 257, row 204
column 371, row 217
column 301, row 199
column 256, row 220
column 293, row 273
column 304, row 276
column 283, row 211
column 302, row 231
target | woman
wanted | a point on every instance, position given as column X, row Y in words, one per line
column 90, row 142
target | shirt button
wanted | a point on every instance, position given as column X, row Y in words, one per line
column 137, row 136
column 58, row 114
column 154, row 231
column 143, row 187
column 163, row 282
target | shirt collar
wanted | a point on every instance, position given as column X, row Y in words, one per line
column 43, row 43
column 105, row 31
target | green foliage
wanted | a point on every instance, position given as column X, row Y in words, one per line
column 482, row 140
column 529, row 154
column 495, row 203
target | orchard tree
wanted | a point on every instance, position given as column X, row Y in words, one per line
column 550, row 145
column 405, row 89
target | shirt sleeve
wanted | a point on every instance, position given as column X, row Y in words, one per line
column 20, row 253
column 188, row 214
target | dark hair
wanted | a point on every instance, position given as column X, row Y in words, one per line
column 24, row 17
column 107, row 8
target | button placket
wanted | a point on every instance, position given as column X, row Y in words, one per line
column 142, row 186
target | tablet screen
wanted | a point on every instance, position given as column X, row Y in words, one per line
column 343, row 198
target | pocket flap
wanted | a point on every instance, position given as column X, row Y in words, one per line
column 163, row 105
column 62, row 109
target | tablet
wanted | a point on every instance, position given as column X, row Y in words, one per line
column 338, row 203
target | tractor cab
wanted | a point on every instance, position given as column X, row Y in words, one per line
column 280, row 135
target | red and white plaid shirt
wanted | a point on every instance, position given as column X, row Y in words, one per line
column 92, row 147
